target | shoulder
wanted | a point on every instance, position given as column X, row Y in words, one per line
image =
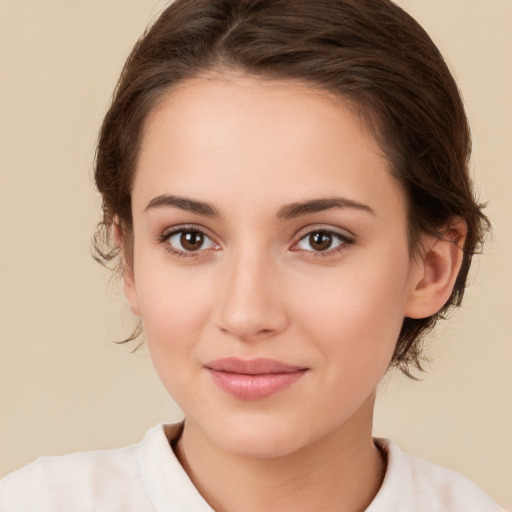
column 412, row 483
column 94, row 480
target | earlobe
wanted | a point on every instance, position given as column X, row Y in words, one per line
column 129, row 288
column 434, row 275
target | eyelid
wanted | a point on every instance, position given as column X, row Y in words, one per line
column 171, row 231
column 346, row 237
column 313, row 228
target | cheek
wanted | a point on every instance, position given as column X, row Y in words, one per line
column 354, row 328
column 170, row 309
column 174, row 309
column 356, row 314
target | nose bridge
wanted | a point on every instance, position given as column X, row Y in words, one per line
column 251, row 305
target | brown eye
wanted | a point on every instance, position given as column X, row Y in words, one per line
column 191, row 240
column 320, row 241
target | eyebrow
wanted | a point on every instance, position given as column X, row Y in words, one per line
column 294, row 210
column 183, row 203
column 289, row 211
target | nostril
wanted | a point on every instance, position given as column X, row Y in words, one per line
column 247, row 331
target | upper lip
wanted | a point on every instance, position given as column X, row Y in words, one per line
column 258, row 366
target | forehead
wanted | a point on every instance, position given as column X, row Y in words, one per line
column 239, row 140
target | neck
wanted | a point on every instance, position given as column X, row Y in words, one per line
column 342, row 471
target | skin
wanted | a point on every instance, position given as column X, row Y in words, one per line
column 258, row 287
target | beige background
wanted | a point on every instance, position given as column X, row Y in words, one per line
column 65, row 387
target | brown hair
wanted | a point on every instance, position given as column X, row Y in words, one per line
column 369, row 52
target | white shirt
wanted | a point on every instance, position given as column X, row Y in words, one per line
column 147, row 477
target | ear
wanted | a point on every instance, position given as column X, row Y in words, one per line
column 436, row 270
column 129, row 288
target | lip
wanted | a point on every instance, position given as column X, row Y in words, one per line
column 253, row 379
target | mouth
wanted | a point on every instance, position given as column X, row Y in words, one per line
column 253, row 379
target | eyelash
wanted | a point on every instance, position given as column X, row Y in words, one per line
column 345, row 242
column 166, row 236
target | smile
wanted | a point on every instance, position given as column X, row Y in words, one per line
column 254, row 379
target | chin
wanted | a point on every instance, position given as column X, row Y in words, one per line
column 262, row 446
column 259, row 437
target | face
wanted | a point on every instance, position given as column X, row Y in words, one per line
column 271, row 268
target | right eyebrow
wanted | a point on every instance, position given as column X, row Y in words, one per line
column 183, row 203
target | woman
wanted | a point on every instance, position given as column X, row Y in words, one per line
column 286, row 193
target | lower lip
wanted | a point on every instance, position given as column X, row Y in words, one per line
column 254, row 387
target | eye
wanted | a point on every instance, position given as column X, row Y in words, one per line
column 321, row 241
column 188, row 241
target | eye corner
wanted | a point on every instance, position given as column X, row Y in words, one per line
column 329, row 237
column 173, row 240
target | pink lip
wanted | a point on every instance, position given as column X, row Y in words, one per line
column 253, row 379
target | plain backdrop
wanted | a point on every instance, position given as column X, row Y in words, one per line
column 64, row 386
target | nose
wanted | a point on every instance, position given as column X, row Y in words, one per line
column 251, row 305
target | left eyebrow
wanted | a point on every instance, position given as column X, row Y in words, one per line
column 294, row 210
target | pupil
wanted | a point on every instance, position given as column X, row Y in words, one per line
column 320, row 241
column 192, row 240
